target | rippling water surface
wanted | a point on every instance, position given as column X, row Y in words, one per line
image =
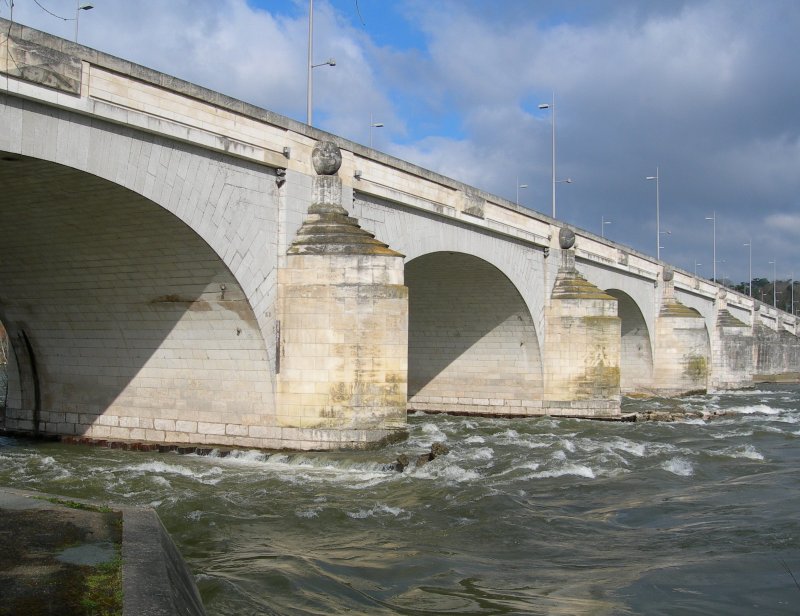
column 534, row 516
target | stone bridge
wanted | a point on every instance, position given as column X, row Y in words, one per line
column 182, row 267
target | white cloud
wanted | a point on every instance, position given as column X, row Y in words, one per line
column 704, row 89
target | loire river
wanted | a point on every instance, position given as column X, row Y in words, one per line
column 528, row 516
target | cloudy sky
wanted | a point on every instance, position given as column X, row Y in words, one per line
column 708, row 91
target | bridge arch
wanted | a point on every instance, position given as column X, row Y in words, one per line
column 125, row 322
column 636, row 354
column 472, row 341
column 417, row 233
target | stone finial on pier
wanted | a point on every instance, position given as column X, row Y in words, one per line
column 566, row 241
column 569, row 283
column 670, row 306
column 328, row 229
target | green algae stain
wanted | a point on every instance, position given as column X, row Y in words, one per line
column 696, row 367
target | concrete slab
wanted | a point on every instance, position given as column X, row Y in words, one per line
column 63, row 555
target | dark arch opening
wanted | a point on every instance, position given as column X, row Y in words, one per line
column 472, row 341
column 636, row 355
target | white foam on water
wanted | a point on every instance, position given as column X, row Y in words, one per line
column 732, row 434
column 524, row 466
column 578, row 470
column 679, row 466
column 790, row 417
column 474, row 440
column 628, row 446
column 559, row 455
column 211, row 476
column 451, row 473
column 754, row 392
column 534, row 444
column 760, row 409
column 481, row 453
column 748, row 451
column 568, row 445
column 432, row 430
column 241, row 458
column 378, row 509
column 161, row 481
column 308, row 514
column 301, row 469
column 695, row 421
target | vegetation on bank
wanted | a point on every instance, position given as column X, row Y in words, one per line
column 102, row 594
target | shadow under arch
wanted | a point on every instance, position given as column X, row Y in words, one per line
column 636, row 349
column 472, row 342
column 128, row 316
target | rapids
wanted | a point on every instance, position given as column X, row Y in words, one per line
column 526, row 516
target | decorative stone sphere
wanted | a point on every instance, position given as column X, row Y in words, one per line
column 566, row 238
column 756, row 305
column 669, row 274
column 326, row 158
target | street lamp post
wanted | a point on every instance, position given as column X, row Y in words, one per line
column 373, row 124
column 658, row 214
column 773, row 263
column 713, row 219
column 552, row 107
column 603, row 223
column 311, row 65
column 78, row 8
column 749, row 245
column 523, row 186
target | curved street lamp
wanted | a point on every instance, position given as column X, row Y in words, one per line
column 749, row 244
column 523, row 186
column 603, row 223
column 552, row 107
column 372, row 124
column 713, row 219
column 311, row 65
column 78, row 8
column 658, row 214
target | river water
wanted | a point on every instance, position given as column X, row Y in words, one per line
column 528, row 516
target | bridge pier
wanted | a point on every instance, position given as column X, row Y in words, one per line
column 343, row 365
column 582, row 347
column 682, row 353
column 731, row 349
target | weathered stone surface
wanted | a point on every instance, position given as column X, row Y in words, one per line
column 566, row 238
column 40, row 64
column 326, row 158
